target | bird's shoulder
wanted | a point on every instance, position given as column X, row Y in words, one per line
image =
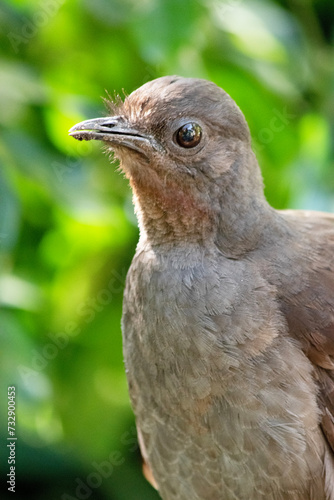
column 304, row 275
column 303, row 272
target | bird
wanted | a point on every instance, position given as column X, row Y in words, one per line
column 228, row 311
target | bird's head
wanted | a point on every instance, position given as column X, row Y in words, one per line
column 185, row 146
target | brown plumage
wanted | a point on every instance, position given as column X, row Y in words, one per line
column 228, row 318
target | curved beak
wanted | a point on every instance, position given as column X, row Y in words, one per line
column 114, row 131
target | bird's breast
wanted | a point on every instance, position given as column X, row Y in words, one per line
column 209, row 370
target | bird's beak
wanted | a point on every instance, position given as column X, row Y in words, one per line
column 114, row 131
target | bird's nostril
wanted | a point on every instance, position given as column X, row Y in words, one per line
column 109, row 124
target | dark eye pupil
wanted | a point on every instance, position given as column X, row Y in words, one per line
column 189, row 135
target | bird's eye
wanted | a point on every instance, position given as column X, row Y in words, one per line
column 189, row 135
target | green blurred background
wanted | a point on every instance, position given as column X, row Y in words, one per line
column 67, row 228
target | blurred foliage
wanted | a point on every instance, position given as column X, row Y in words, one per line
column 67, row 228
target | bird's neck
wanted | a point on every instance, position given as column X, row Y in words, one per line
column 245, row 217
column 231, row 212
